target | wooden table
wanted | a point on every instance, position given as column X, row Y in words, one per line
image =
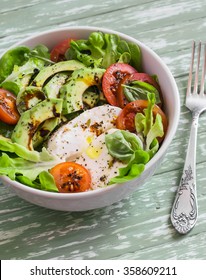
column 138, row 227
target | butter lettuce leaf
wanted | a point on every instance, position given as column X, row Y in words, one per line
column 155, row 131
column 147, row 127
column 139, row 90
column 127, row 147
column 45, row 181
column 6, row 145
column 102, row 49
column 136, row 149
column 15, row 166
column 28, row 167
column 15, row 56
column 122, row 144
column 133, row 169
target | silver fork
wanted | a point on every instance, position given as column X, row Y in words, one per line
column 185, row 211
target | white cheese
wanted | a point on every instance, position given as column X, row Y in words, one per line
column 99, row 162
column 70, row 140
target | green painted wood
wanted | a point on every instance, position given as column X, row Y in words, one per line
column 137, row 227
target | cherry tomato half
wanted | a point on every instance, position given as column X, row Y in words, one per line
column 58, row 52
column 71, row 177
column 111, row 79
column 144, row 77
column 8, row 110
column 125, row 120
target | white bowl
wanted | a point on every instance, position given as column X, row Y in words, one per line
column 152, row 64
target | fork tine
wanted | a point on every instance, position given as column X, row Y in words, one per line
column 197, row 69
column 191, row 69
column 202, row 86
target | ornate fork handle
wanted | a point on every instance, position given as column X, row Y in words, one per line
column 184, row 211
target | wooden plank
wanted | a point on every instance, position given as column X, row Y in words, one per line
column 133, row 226
column 35, row 16
column 8, row 6
column 139, row 15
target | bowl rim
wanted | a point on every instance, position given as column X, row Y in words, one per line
column 157, row 156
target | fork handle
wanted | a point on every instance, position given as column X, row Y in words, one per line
column 184, row 210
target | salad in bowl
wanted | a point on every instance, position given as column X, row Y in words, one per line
column 78, row 115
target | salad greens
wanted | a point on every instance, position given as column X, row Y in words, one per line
column 21, row 164
column 122, row 144
column 101, row 50
column 44, row 181
column 6, row 145
column 49, row 94
column 127, row 147
column 18, row 65
column 134, row 168
column 147, row 127
column 16, row 56
column 136, row 150
column 139, row 90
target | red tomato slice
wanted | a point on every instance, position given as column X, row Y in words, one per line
column 111, row 79
column 144, row 77
column 8, row 110
column 71, row 177
column 58, row 52
column 125, row 120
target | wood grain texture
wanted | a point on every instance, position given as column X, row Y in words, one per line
column 137, row 227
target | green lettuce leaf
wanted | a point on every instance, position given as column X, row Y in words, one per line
column 16, row 166
column 26, row 181
column 154, row 147
column 101, row 50
column 148, row 128
column 133, row 169
column 47, row 182
column 122, row 144
column 44, row 181
column 134, row 52
column 127, row 147
column 41, row 52
column 6, row 145
column 16, row 56
column 28, row 167
column 155, row 131
column 139, row 90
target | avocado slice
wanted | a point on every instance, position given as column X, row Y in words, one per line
column 51, row 89
column 28, row 98
column 90, row 98
column 49, row 71
column 73, row 90
column 44, row 130
column 31, row 119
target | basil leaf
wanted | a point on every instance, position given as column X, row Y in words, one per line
column 139, row 90
column 122, row 144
